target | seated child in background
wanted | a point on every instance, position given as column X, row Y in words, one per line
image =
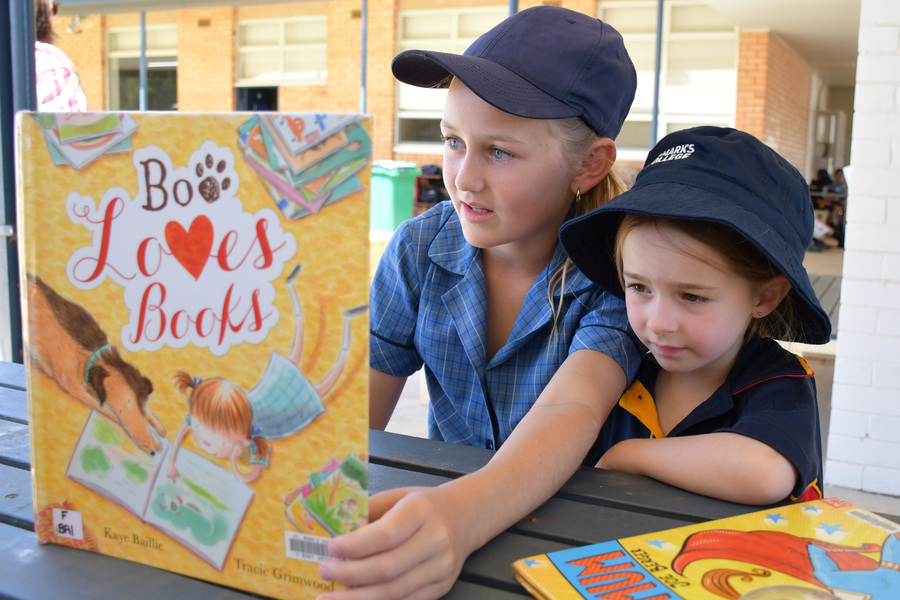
column 707, row 248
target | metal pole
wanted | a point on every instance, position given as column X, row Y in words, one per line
column 365, row 30
column 654, row 124
column 513, row 7
column 143, row 68
column 22, row 48
column 19, row 93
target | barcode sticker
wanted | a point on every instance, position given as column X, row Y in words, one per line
column 875, row 521
column 303, row 546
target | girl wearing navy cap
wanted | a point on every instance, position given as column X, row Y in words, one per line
column 707, row 248
column 522, row 354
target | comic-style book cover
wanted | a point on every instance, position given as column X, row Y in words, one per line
column 196, row 344
column 819, row 550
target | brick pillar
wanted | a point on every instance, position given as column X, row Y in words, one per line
column 773, row 95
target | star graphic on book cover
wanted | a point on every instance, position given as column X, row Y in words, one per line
column 831, row 529
column 812, row 510
column 532, row 562
column 774, row 518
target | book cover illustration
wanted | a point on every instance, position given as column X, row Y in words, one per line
column 331, row 503
column 193, row 354
column 306, row 161
column 202, row 508
column 77, row 139
column 822, row 549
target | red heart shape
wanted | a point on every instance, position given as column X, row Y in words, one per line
column 192, row 247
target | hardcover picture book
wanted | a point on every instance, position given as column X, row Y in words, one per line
column 195, row 313
column 818, row 550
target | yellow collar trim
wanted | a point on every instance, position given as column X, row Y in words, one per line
column 638, row 401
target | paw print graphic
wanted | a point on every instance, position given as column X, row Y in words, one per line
column 212, row 186
column 212, row 169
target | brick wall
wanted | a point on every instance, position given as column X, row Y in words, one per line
column 87, row 50
column 380, row 84
column 864, row 436
column 206, row 56
column 344, row 55
column 773, row 92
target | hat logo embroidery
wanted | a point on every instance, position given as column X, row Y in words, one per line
column 675, row 153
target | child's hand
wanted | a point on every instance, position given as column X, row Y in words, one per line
column 411, row 549
column 173, row 473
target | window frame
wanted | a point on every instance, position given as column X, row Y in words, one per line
column 151, row 52
column 667, row 119
column 281, row 77
column 455, row 42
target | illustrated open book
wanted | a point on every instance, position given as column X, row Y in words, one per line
column 823, row 549
column 329, row 504
column 195, row 292
column 202, row 507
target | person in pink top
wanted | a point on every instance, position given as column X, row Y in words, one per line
column 58, row 85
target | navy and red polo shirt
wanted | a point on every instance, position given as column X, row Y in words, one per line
column 770, row 396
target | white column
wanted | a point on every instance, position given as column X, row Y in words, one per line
column 864, row 436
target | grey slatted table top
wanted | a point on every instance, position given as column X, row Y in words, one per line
column 593, row 506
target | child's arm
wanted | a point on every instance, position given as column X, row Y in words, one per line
column 384, row 392
column 724, row 465
column 176, row 444
column 416, row 545
column 250, row 475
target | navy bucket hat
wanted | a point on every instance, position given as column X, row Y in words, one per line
column 713, row 174
column 545, row 62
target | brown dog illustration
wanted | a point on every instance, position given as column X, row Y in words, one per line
column 67, row 344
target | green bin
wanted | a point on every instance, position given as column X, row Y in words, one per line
column 393, row 183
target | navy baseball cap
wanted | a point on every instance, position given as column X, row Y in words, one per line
column 713, row 174
column 545, row 62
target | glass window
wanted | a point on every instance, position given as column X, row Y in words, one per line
column 631, row 19
column 124, row 56
column 275, row 52
column 701, row 77
column 694, row 18
column 260, row 65
column 643, row 55
column 635, row 134
column 419, row 110
column 420, row 26
column 698, row 78
column 258, row 34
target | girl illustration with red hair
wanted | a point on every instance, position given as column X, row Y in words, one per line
column 226, row 422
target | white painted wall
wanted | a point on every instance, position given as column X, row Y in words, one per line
column 864, row 431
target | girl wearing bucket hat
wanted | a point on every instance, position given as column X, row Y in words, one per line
column 522, row 354
column 707, row 249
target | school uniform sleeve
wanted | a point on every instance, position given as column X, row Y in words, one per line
column 605, row 329
column 782, row 414
column 394, row 302
column 779, row 408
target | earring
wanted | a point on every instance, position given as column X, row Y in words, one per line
column 759, row 314
column 577, row 195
